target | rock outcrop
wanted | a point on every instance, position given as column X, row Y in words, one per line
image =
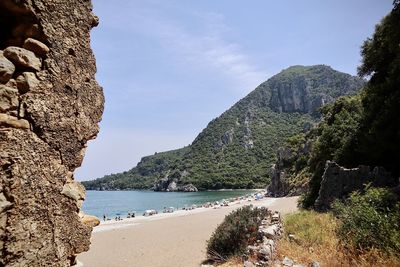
column 168, row 184
column 287, row 174
column 296, row 93
column 50, row 106
column 279, row 185
column 338, row 182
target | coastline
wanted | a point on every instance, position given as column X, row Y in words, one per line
column 128, row 222
column 167, row 239
column 119, row 204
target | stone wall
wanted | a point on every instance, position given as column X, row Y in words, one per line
column 263, row 252
column 338, row 182
column 50, row 106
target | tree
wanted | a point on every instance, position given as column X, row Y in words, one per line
column 379, row 134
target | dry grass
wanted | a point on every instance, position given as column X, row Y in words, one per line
column 233, row 262
column 316, row 240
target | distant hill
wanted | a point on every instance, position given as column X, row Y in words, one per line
column 237, row 149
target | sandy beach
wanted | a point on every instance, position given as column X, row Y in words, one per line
column 163, row 240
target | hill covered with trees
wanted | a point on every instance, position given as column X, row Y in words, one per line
column 236, row 149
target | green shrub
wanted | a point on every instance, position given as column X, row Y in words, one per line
column 370, row 220
column 235, row 233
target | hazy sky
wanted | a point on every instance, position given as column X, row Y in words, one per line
column 170, row 66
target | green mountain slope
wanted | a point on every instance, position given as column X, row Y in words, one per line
column 236, row 149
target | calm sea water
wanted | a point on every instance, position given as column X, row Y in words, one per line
column 113, row 203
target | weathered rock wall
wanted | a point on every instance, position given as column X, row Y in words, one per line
column 338, row 182
column 286, row 174
column 50, row 106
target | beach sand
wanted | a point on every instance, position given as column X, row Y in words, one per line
column 176, row 239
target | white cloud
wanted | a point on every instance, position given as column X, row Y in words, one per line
column 210, row 50
column 201, row 41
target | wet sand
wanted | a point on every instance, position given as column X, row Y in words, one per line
column 177, row 239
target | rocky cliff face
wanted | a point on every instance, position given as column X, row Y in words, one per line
column 308, row 90
column 50, row 106
column 287, row 174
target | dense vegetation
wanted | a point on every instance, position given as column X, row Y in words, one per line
column 332, row 140
column 357, row 130
column 237, row 149
column 364, row 129
column 238, row 230
column 370, row 220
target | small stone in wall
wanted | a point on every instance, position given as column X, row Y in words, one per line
column 4, row 203
column 36, row 47
column 265, row 252
column 14, row 122
column 22, row 58
column 26, row 82
column 8, row 98
column 7, row 69
column 12, row 84
column 75, row 191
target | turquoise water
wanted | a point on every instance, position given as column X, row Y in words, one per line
column 113, row 203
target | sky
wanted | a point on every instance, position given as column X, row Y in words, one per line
column 168, row 67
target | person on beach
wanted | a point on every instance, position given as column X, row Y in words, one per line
column 104, row 217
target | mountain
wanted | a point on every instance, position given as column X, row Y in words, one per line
column 237, row 149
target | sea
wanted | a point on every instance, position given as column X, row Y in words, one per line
column 120, row 203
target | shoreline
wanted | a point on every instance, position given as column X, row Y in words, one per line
column 128, row 222
column 169, row 239
column 208, row 190
column 240, row 195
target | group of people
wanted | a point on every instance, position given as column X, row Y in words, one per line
column 118, row 218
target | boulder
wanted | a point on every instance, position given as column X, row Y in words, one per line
column 7, row 68
column 36, row 47
column 188, row 188
column 265, row 252
column 271, row 231
column 287, row 262
column 26, row 82
column 172, row 186
column 276, row 217
column 22, row 58
column 90, row 220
